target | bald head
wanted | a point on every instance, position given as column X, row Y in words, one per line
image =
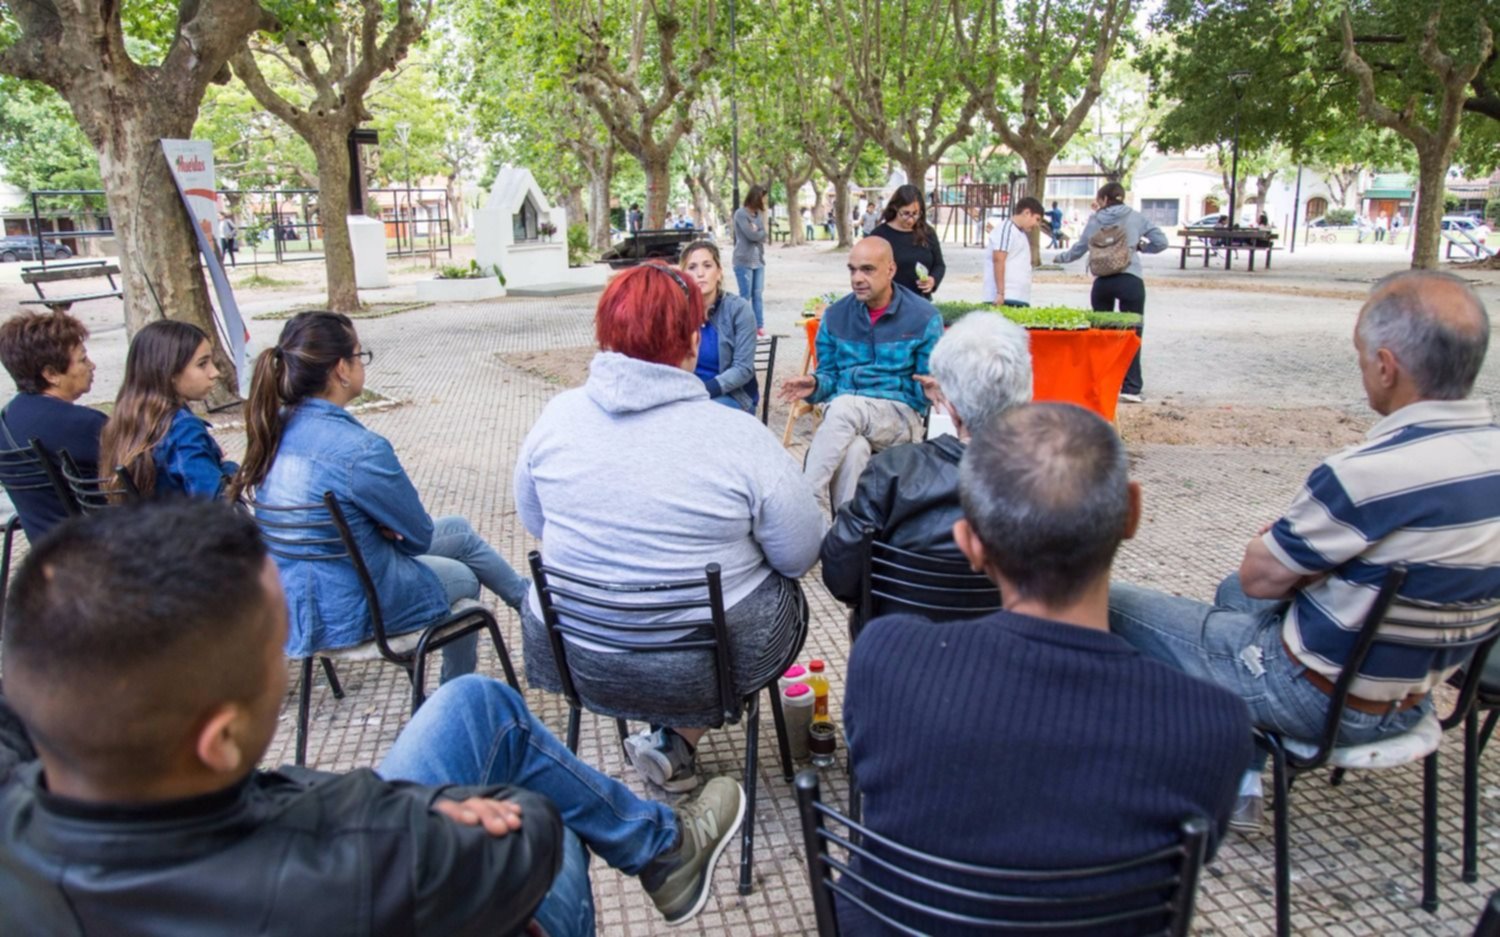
column 872, row 266
column 1434, row 326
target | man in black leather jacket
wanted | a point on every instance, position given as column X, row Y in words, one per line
column 143, row 654
column 909, row 494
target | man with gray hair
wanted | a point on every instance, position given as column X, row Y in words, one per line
column 908, row 494
column 1423, row 491
column 1002, row 740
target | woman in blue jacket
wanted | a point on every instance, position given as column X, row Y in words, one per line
column 302, row 442
column 164, row 446
column 726, row 352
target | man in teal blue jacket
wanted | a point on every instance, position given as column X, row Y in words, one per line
column 872, row 349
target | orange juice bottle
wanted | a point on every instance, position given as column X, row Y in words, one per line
column 818, row 680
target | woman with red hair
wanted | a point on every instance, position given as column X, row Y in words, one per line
column 638, row 478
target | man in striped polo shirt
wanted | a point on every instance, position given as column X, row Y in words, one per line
column 1422, row 491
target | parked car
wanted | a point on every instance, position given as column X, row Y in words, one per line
column 1322, row 222
column 24, row 248
column 1478, row 230
column 1215, row 220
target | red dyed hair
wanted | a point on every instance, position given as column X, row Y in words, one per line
column 650, row 312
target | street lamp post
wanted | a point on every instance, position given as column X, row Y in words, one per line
column 1237, row 81
column 403, row 133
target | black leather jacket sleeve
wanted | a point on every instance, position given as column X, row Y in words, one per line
column 840, row 552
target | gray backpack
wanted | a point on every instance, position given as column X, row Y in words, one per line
column 1108, row 252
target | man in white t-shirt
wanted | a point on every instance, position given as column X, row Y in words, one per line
column 1007, row 277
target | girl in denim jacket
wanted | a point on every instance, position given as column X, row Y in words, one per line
column 303, row 443
column 163, row 445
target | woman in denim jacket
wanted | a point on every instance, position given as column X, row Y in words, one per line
column 165, row 447
column 302, row 443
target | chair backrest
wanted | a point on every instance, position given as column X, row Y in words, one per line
column 32, row 468
column 1392, row 621
column 895, row 580
column 765, row 363
column 1489, row 920
column 319, row 533
column 580, row 608
column 1151, row 893
column 89, row 493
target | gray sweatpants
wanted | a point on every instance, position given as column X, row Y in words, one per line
column 853, row 429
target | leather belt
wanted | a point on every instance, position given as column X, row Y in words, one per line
column 1356, row 703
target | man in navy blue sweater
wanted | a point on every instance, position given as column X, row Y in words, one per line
column 1033, row 738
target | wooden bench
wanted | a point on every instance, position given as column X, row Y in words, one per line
column 76, row 270
column 778, row 233
column 1209, row 241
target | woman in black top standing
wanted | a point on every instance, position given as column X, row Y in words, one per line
column 914, row 242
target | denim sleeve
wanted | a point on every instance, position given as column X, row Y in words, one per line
column 381, row 488
column 192, row 461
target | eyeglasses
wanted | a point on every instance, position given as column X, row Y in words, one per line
column 364, row 357
column 908, row 214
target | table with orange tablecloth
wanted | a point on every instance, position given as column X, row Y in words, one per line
column 1082, row 366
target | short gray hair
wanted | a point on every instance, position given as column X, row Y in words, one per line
column 983, row 363
column 1045, row 487
column 1406, row 319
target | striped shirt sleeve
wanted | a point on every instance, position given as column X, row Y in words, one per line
column 1321, row 529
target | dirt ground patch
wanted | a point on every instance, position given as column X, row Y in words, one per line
column 1163, row 423
column 1321, row 428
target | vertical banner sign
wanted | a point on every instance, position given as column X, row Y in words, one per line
column 192, row 164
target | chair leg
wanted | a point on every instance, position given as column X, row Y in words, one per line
column 1336, row 778
column 747, row 831
column 418, row 675
column 783, row 746
column 304, row 703
column 622, row 727
column 503, row 654
column 1282, row 826
column 1471, row 798
column 573, row 715
column 333, row 678
column 10, row 536
column 1429, row 832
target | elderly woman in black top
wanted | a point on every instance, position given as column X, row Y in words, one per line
column 914, row 242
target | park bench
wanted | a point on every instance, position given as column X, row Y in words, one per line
column 657, row 243
column 63, row 272
column 1207, row 241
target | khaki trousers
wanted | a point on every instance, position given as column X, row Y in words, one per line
column 854, row 428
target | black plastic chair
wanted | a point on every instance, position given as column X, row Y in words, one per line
column 29, row 468
column 896, row 580
column 1291, row 758
column 1162, row 902
column 319, row 533
column 1476, row 738
column 575, row 607
column 1489, row 919
column 88, row 494
column 765, row 362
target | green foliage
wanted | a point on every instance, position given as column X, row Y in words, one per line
column 41, row 145
column 1492, row 210
column 1043, row 318
column 580, row 251
column 472, row 272
column 1340, row 216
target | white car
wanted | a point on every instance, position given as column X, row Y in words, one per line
column 1478, row 230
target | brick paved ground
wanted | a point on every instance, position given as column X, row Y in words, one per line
column 1354, row 849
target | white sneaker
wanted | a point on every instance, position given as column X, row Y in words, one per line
column 1131, row 398
column 664, row 759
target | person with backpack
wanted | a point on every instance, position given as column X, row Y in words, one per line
column 1114, row 238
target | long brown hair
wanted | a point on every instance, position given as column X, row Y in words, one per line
column 755, row 199
column 902, row 197
column 298, row 366
column 147, row 400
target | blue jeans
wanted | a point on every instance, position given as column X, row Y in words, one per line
column 1236, row 644
column 752, row 283
column 463, row 560
column 477, row 731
